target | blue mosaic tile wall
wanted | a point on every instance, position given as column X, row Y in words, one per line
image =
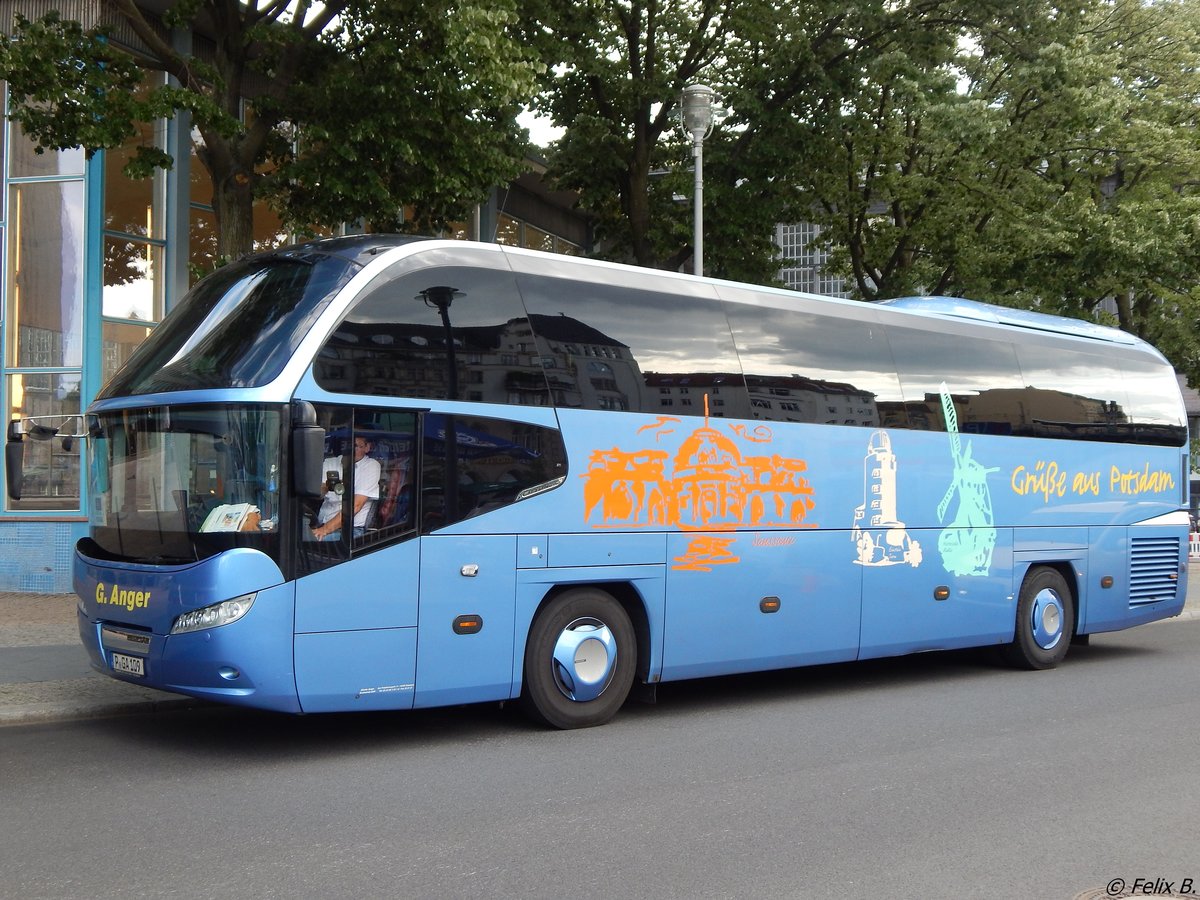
column 35, row 557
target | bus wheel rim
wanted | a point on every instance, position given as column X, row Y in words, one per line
column 584, row 659
column 1047, row 619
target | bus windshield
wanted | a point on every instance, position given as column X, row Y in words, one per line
column 236, row 328
column 179, row 484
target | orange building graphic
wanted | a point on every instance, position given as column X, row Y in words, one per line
column 706, row 485
column 705, row 552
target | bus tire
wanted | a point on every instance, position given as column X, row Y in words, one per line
column 1045, row 620
column 579, row 660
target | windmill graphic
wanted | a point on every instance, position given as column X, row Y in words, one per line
column 967, row 542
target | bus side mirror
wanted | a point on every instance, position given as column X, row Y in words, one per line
column 14, row 458
column 308, row 452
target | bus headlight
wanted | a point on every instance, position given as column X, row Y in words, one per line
column 212, row 616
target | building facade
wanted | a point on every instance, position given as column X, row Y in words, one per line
column 806, row 260
column 91, row 261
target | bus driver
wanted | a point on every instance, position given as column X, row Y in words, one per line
column 366, row 493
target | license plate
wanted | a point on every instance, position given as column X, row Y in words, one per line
column 129, row 665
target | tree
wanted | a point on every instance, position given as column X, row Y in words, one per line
column 615, row 71
column 1003, row 170
column 1046, row 158
column 614, row 74
column 360, row 84
column 1024, row 152
column 417, row 105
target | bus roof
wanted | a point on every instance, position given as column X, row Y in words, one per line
column 958, row 308
column 362, row 248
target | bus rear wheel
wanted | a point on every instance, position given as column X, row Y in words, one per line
column 1045, row 617
column 579, row 660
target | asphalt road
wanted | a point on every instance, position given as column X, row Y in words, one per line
column 941, row 775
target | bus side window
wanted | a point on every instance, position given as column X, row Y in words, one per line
column 394, row 447
column 472, row 466
column 314, row 554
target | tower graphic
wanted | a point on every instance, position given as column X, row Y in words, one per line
column 880, row 536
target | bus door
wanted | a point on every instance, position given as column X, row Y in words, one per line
column 356, row 632
column 358, row 562
column 960, row 594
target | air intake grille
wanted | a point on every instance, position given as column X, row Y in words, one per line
column 1153, row 570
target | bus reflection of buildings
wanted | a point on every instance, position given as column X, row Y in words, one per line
column 776, row 398
column 495, row 363
column 1026, row 411
column 580, row 366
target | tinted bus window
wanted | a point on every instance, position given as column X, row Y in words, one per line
column 475, row 465
column 1080, row 395
column 824, row 369
column 1067, row 396
column 236, row 328
column 981, row 376
column 618, row 348
column 1155, row 412
column 454, row 333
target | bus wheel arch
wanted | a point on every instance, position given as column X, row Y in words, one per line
column 581, row 657
column 1045, row 619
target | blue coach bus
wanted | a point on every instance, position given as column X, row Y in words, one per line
column 389, row 473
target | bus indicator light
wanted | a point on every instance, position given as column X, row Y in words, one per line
column 941, row 592
column 1106, row 582
column 769, row 604
column 468, row 624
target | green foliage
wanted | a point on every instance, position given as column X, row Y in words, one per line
column 614, row 72
column 395, row 103
column 433, row 127
column 92, row 101
column 1032, row 153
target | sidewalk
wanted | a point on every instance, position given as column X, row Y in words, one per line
column 45, row 674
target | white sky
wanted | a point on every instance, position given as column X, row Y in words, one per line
column 541, row 132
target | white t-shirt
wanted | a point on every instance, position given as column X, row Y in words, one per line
column 367, row 472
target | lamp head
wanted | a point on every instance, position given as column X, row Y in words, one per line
column 697, row 110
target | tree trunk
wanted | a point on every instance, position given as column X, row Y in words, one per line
column 1125, row 311
column 230, row 165
column 233, row 203
column 638, row 208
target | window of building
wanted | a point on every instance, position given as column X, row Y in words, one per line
column 806, row 259
column 25, row 162
column 516, row 233
column 134, row 249
column 42, row 217
column 51, row 468
column 45, row 274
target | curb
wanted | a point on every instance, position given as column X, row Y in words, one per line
column 93, row 696
column 42, row 713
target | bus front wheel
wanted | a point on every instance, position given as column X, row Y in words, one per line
column 1045, row 616
column 579, row 660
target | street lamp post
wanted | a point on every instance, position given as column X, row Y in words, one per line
column 697, row 118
